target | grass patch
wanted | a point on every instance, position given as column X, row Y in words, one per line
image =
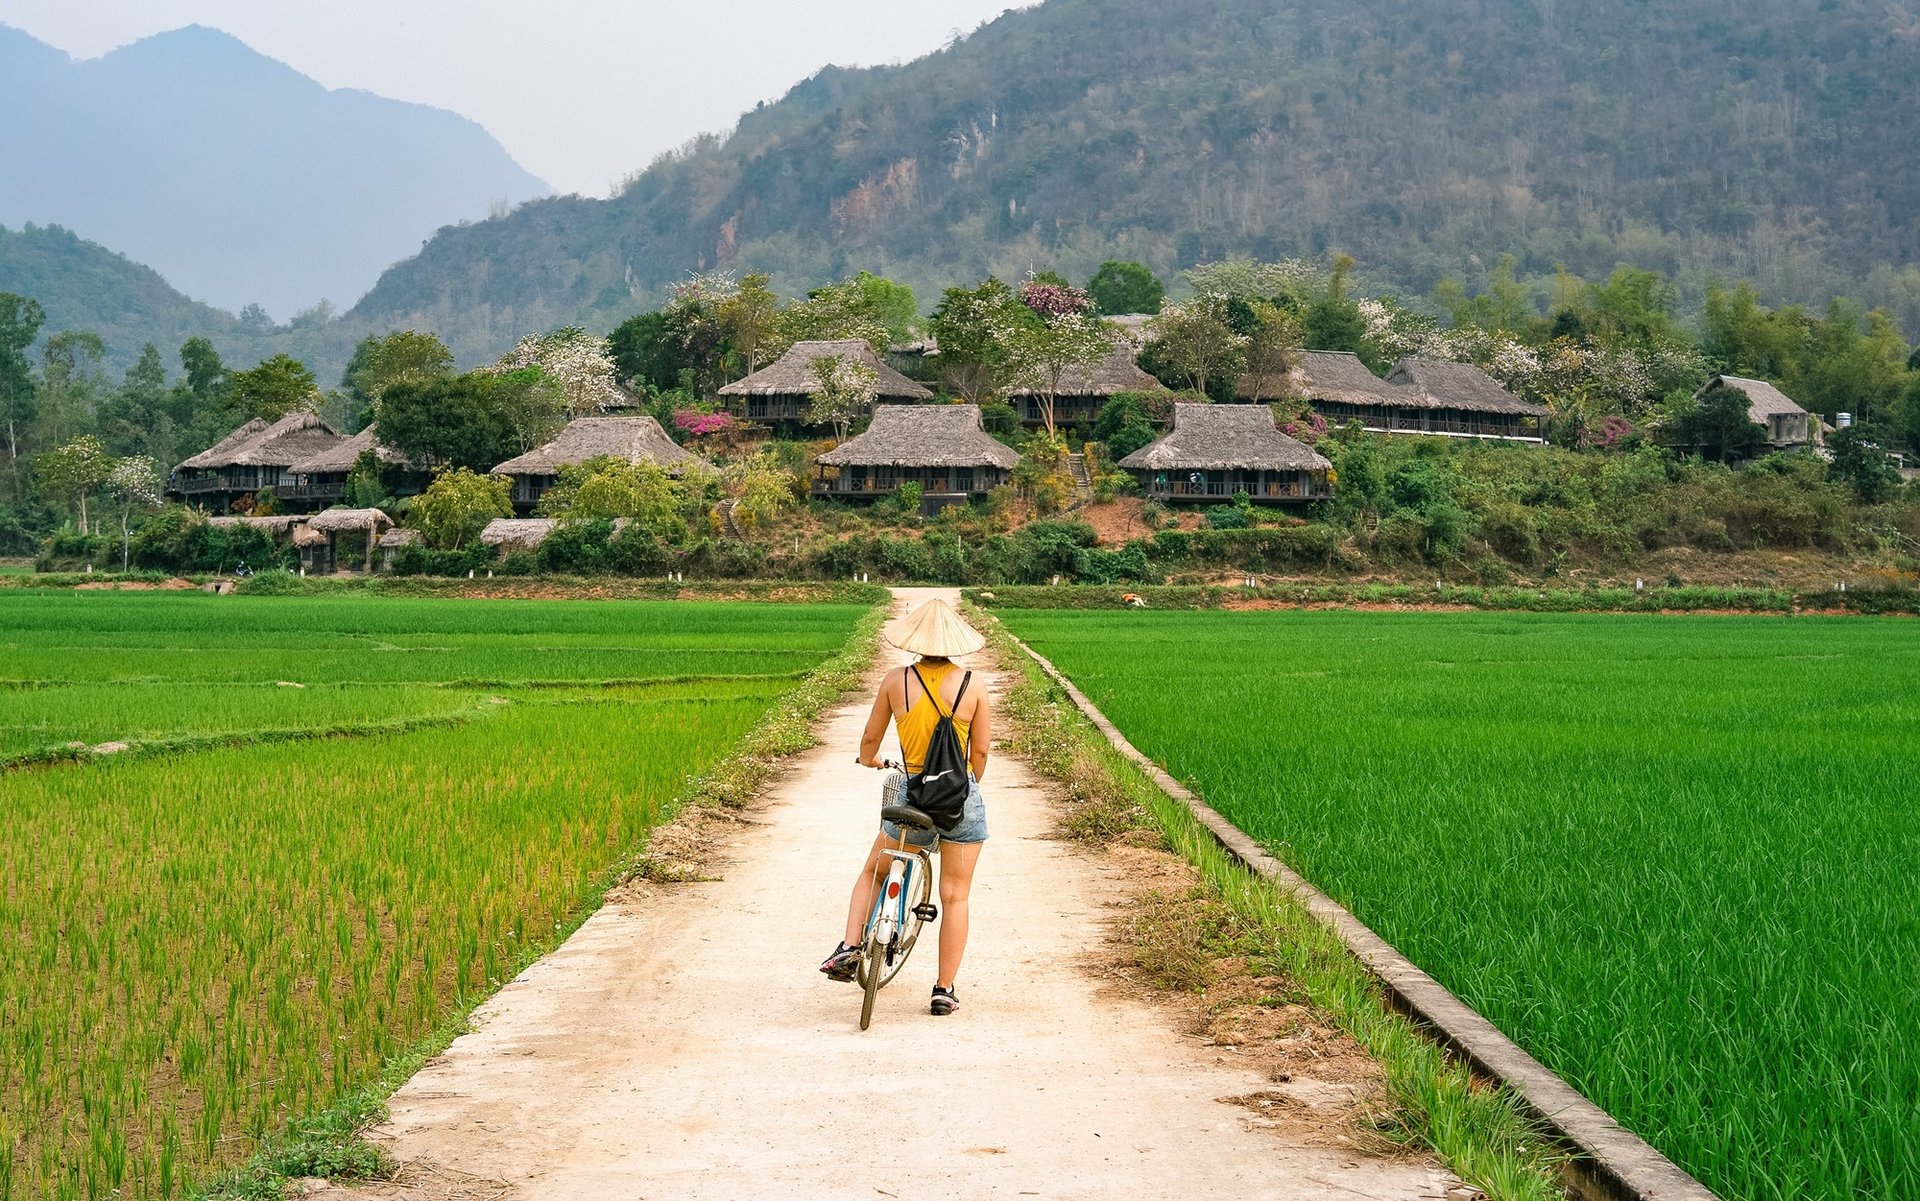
column 1482, row 1133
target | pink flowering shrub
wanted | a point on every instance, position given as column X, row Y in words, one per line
column 699, row 424
column 1307, row 429
column 1607, row 435
column 1053, row 301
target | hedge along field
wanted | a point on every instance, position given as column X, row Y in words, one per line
column 1674, row 858
column 197, row 947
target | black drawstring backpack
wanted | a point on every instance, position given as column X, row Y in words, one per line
column 940, row 789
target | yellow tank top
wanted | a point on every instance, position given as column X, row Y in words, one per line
column 915, row 726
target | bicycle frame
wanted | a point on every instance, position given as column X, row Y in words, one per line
column 889, row 914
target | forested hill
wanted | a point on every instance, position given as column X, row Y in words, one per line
column 236, row 177
column 1762, row 139
column 83, row 286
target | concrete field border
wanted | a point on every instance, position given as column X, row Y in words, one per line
column 1608, row 1160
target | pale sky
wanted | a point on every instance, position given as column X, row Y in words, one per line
column 581, row 92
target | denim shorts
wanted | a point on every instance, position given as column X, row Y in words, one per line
column 972, row 827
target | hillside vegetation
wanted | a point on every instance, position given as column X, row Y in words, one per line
column 1765, row 141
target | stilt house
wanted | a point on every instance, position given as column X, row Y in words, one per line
column 634, row 439
column 942, row 448
column 781, row 393
column 1216, row 451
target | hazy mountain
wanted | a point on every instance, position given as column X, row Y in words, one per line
column 237, row 178
column 1766, row 139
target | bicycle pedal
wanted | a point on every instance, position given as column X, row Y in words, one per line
column 926, row 911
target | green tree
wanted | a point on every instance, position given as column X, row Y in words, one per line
column 608, row 488
column 1861, row 461
column 748, row 317
column 474, row 420
column 402, row 357
column 1333, row 321
column 1125, row 287
column 74, row 472
column 458, row 504
column 1124, row 424
column 1197, row 343
column 20, row 322
column 70, row 384
column 647, row 351
column 1273, row 347
column 761, row 489
column 846, row 391
column 278, row 386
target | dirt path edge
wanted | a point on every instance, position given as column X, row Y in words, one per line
column 1610, row 1161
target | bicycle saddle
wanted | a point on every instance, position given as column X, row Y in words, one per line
column 906, row 815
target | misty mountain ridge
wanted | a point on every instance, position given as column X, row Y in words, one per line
column 236, row 177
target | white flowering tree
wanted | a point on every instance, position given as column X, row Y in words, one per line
column 578, row 363
column 1062, row 335
column 847, row 388
column 134, row 483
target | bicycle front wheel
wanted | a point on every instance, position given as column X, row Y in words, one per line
column 918, row 893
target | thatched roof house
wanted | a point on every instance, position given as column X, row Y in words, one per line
column 526, row 533
column 322, row 477
column 1421, row 396
column 347, row 536
column 1083, row 390
column 1216, row 451
column 942, row 448
column 633, row 439
column 393, row 542
column 522, row 532
column 279, row 526
column 1461, row 400
column 783, row 389
column 1787, row 424
column 255, row 456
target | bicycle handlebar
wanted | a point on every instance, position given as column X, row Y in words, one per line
column 883, row 765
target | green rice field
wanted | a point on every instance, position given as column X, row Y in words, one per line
column 1677, row 859
column 198, row 944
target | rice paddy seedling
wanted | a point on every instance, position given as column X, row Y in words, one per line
column 197, row 947
column 1671, row 857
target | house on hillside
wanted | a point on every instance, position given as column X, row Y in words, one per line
column 321, row 479
column 256, row 456
column 341, row 539
column 1421, row 396
column 1788, row 426
column 634, row 439
column 781, row 393
column 942, row 448
column 1216, row 451
column 1456, row 400
column 1084, row 391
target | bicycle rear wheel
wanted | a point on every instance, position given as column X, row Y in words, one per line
column 872, row 963
column 918, row 892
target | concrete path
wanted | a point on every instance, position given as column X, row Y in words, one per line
column 684, row 1047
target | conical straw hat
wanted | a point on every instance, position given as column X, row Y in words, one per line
column 935, row 630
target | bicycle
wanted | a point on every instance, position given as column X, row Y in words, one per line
column 901, row 906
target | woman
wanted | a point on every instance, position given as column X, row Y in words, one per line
column 914, row 698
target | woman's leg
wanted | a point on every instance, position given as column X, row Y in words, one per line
column 864, row 885
column 957, row 860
